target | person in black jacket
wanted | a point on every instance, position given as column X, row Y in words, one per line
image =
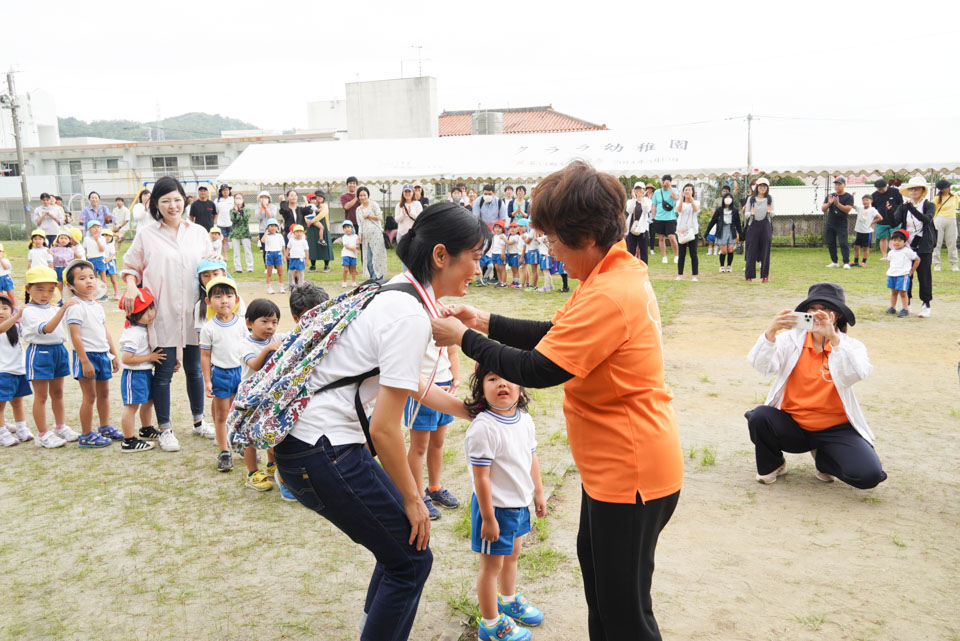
column 916, row 216
column 292, row 215
column 726, row 218
column 886, row 200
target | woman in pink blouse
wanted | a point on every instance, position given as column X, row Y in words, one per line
column 164, row 258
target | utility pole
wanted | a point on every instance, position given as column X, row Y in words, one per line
column 749, row 148
column 14, row 104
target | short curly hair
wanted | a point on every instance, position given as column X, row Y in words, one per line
column 579, row 204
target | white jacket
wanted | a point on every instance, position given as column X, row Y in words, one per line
column 848, row 364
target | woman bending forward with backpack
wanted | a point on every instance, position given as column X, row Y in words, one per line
column 323, row 460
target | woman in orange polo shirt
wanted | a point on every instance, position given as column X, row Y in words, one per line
column 811, row 406
column 604, row 346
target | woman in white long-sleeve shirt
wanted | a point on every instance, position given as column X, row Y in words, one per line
column 811, row 406
column 688, row 230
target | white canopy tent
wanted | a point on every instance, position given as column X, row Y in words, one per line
column 780, row 146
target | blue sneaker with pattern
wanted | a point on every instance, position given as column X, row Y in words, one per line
column 285, row 493
column 505, row 629
column 444, row 498
column 110, row 432
column 92, row 440
column 520, row 610
column 431, row 508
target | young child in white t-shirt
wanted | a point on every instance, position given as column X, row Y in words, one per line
column 348, row 258
column 297, row 254
column 903, row 263
column 867, row 216
column 216, row 239
column 513, row 252
column 273, row 257
column 13, row 375
column 39, row 255
column 110, row 259
column 498, row 248
column 531, row 256
column 137, row 361
column 501, row 448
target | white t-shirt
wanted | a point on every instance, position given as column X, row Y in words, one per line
column 499, row 241
column 506, row 445
column 901, row 260
column 864, row 218
column 217, row 245
column 49, row 226
column 391, row 333
column 530, row 241
column 224, row 205
column 225, row 340
column 198, row 321
column 251, row 348
column 134, row 341
column 351, row 239
column 34, row 318
column 405, row 219
column 39, row 257
column 514, row 244
column 109, row 252
column 120, row 215
column 11, row 356
column 91, row 246
column 297, row 247
column 140, row 214
column 5, row 267
column 273, row 242
column 88, row 314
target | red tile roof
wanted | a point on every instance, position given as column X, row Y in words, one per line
column 519, row 120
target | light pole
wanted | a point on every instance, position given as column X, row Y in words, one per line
column 12, row 104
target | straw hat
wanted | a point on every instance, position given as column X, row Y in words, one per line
column 916, row 181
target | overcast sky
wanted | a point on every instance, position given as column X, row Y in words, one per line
column 625, row 64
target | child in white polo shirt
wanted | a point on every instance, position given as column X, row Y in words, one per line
column 903, row 263
column 501, row 451
column 137, row 362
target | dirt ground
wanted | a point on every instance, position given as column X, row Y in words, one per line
column 101, row 545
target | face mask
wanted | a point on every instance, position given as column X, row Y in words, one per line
column 728, row 201
column 488, row 198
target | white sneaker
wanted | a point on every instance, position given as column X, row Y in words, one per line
column 6, row 438
column 678, row 278
column 24, row 434
column 924, row 311
column 282, row 290
column 343, row 284
column 767, row 479
column 846, row 265
column 826, row 478
column 955, row 268
column 66, row 434
column 695, row 279
column 664, row 260
column 676, row 259
column 832, row 265
column 49, row 440
column 936, row 268
column 168, row 442
column 204, row 429
column 269, row 290
column 722, row 269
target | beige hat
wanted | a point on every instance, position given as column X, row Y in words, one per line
column 763, row 181
column 639, row 186
column 916, row 181
column 263, row 193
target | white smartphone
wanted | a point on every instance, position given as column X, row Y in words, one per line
column 804, row 320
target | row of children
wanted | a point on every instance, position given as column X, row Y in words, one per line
column 69, row 244
column 526, row 252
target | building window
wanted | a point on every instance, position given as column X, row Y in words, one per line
column 113, row 165
column 9, row 169
column 165, row 165
column 205, row 161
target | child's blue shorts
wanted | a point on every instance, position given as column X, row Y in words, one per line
column 545, row 262
column 348, row 261
column 135, row 386
column 274, row 259
column 13, row 386
column 46, row 362
column 485, row 260
column 6, row 283
column 112, row 267
column 99, row 267
column 498, row 260
column 556, row 267
column 101, row 366
column 225, row 381
column 296, row 264
column 513, row 260
column 898, row 283
column 59, row 271
column 513, row 521
column 427, row 420
column 531, row 258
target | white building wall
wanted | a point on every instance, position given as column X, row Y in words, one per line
column 401, row 108
column 327, row 115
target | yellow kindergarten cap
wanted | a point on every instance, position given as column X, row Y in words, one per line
column 37, row 232
column 297, row 228
column 41, row 275
column 216, row 229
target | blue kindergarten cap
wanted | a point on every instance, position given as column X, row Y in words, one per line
column 209, row 264
column 93, row 223
column 523, row 222
column 273, row 221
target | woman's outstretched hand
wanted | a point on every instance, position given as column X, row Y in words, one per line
column 448, row 331
column 783, row 320
column 466, row 314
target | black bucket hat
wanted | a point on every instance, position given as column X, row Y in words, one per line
column 831, row 296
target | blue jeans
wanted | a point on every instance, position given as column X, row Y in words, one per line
column 163, row 374
column 346, row 486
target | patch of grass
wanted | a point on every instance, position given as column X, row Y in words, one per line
column 954, row 412
column 703, row 378
column 463, row 526
column 462, row 605
column 898, row 542
column 558, row 438
column 708, row 456
column 449, row 454
column 812, row 621
column 713, row 394
column 541, row 560
column 875, row 500
column 542, row 528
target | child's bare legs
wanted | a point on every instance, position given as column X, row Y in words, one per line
column 56, row 400
column 13, row 298
column 856, row 254
column 279, row 275
column 221, row 407
column 250, row 458
column 19, row 415
column 894, row 295
column 88, row 387
column 490, row 568
column 146, row 414
column 435, row 456
column 534, row 275
column 419, row 441
column 128, row 419
column 663, row 244
column 113, row 281
column 41, row 391
column 346, row 270
column 353, row 274
column 515, row 273
column 904, row 300
column 270, row 456
column 501, row 273
column 296, row 276
column 103, row 402
column 866, row 252
column 883, row 248
column 269, row 274
column 508, row 573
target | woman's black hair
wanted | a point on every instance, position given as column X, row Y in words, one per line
column 220, row 191
column 446, row 224
column 92, row 193
column 363, row 189
column 288, row 192
column 477, row 403
column 70, row 274
column 13, row 334
column 693, row 190
column 136, row 316
column 161, row 188
column 261, row 308
column 519, row 187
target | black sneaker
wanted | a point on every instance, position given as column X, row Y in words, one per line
column 563, row 290
column 150, row 433
column 224, row 461
column 135, row 445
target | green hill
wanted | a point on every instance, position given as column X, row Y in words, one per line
column 190, row 125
